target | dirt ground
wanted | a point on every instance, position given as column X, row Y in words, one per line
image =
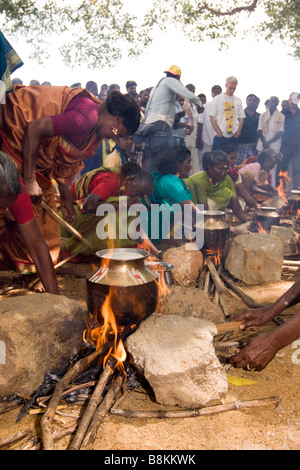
column 265, row 428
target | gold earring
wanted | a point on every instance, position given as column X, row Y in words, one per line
column 114, row 130
column 122, row 188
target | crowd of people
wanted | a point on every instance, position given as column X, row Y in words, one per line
column 74, row 148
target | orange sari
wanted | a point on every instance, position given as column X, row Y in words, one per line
column 57, row 158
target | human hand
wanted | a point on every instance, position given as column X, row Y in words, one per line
column 253, row 317
column 257, row 354
column 68, row 211
column 189, row 129
column 34, row 190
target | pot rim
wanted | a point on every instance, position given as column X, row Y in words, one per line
column 107, row 254
column 213, row 213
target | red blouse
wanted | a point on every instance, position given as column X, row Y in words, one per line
column 22, row 209
column 104, row 183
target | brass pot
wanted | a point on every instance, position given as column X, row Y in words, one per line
column 132, row 286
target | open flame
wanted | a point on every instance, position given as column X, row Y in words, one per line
column 215, row 256
column 283, row 179
column 99, row 335
column 260, row 228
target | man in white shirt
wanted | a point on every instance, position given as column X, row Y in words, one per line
column 270, row 130
column 206, row 132
column 227, row 116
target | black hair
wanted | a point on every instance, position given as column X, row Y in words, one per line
column 216, row 87
column 138, row 174
column 229, row 149
column 211, row 159
column 130, row 83
column 90, row 84
column 9, row 177
column 254, row 96
column 269, row 153
column 125, row 107
column 167, row 162
column 111, row 88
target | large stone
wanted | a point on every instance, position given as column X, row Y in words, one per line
column 177, row 357
column 38, row 333
column 190, row 302
column 288, row 238
column 255, row 258
column 187, row 260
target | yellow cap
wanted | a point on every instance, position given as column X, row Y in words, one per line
column 174, row 70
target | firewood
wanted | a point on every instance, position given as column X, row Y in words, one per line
column 60, row 387
column 93, row 403
column 101, row 412
column 14, row 437
column 236, row 405
column 287, row 262
column 206, row 283
column 220, row 287
column 215, row 276
column 249, row 301
column 224, row 306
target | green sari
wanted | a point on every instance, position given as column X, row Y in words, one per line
column 203, row 190
column 91, row 226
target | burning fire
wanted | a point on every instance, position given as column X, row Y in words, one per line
column 98, row 336
column 260, row 228
column 214, row 256
column 284, row 178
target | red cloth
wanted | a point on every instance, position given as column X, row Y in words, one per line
column 104, row 183
column 22, row 209
column 78, row 120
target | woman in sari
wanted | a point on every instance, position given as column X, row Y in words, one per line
column 18, row 226
column 107, row 189
column 213, row 187
column 48, row 131
column 170, row 194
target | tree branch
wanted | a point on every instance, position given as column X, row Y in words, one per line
column 249, row 8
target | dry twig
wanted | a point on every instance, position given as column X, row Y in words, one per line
column 236, row 405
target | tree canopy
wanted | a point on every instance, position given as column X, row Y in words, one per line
column 99, row 32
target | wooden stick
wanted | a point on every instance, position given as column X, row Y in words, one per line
column 236, row 405
column 60, row 387
column 14, row 437
column 65, row 224
column 215, row 276
column 287, row 262
column 220, row 287
column 249, row 301
column 229, row 326
column 101, row 412
column 93, row 403
column 206, row 283
column 223, row 304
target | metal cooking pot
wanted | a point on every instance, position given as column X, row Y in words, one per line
column 268, row 216
column 132, row 286
column 162, row 269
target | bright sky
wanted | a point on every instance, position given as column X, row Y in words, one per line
column 261, row 68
